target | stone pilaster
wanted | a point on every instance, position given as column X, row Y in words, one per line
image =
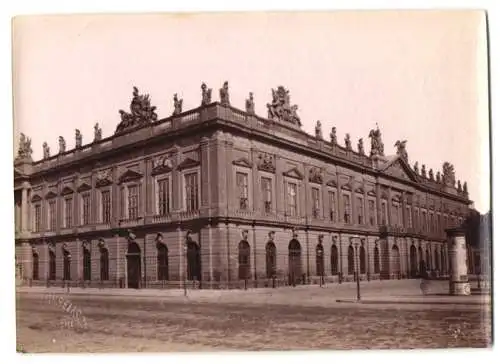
column 206, row 195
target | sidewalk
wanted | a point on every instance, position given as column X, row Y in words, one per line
column 395, row 292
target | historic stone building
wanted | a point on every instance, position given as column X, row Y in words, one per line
column 218, row 196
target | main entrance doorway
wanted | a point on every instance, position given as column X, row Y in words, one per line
column 133, row 265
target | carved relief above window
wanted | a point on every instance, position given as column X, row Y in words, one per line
column 161, row 164
column 266, row 163
column 315, row 176
column 103, row 178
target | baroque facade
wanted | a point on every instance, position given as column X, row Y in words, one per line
column 215, row 196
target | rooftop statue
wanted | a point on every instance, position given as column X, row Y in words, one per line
column 361, row 147
column 431, row 174
column 401, row 145
column 438, row 177
column 377, row 146
column 347, row 140
column 224, row 94
column 177, row 105
column 46, row 150
column 318, row 130
column 415, row 168
column 423, row 171
column 333, row 136
column 141, row 112
column 97, row 132
column 459, row 186
column 62, row 145
column 78, row 138
column 465, row 189
column 280, row 109
column 249, row 104
column 448, row 174
column 24, row 150
column 206, row 94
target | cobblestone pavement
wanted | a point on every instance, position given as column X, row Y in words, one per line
column 85, row 323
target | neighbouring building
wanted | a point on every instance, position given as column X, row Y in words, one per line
column 217, row 196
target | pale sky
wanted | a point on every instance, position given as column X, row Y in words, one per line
column 420, row 75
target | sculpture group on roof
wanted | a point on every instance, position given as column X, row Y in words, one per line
column 401, row 151
column 448, row 174
column 377, row 146
column 141, row 112
column 24, row 150
column 280, row 109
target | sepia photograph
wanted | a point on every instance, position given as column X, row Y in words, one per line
column 252, row 181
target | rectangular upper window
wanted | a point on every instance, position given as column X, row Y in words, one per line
column 191, row 191
column 86, row 208
column 38, row 217
column 292, row 198
column 163, row 196
column 106, row 206
column 242, row 186
column 68, row 212
column 315, row 202
column 52, row 215
column 267, row 193
column 332, row 202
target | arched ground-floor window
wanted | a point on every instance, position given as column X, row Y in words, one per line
column 396, row 260
column 334, row 258
column 35, row 266
column 66, row 265
column 376, row 261
column 52, row 265
column 162, row 262
column 270, row 260
column 133, row 265
column 193, row 261
column 350, row 260
column 294, row 260
column 320, row 260
column 437, row 260
column 104, row 260
column 427, row 259
column 87, row 264
column 243, row 260
column 413, row 261
column 362, row 260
